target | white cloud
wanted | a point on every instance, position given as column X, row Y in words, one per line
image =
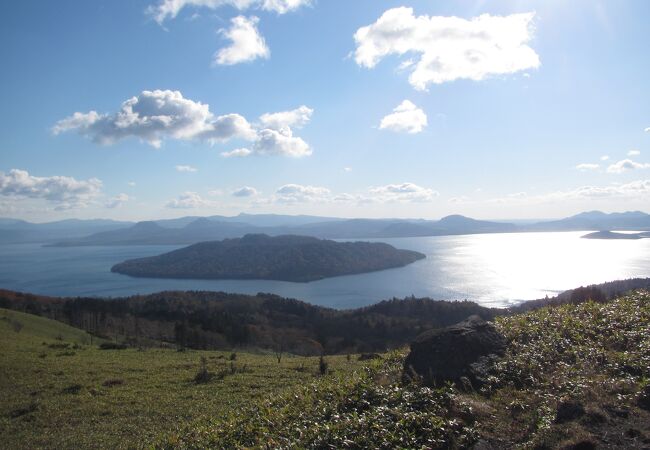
column 186, row 169
column 633, row 153
column 449, row 48
column 154, row 116
column 587, row 166
column 347, row 169
column 634, row 190
column 604, row 157
column 647, row 130
column 284, row 6
column 282, row 142
column 188, row 200
column 625, row 165
column 245, row 191
column 296, row 118
column 237, row 153
column 157, row 115
column 117, row 201
column 65, row 192
column 131, row 183
column 296, row 193
column 404, row 192
column 169, row 9
column 406, row 118
column 459, row 200
column 246, row 42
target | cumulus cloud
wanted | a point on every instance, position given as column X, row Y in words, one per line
column 647, row 130
column 443, row 49
column 169, row 9
column 245, row 191
column 65, row 192
column 280, row 142
column 604, row 157
column 625, row 165
column 275, row 135
column 404, row 192
column 246, row 42
column 296, row 118
column 587, row 166
column 157, row 115
column 154, row 116
column 296, row 193
column 117, row 201
column 188, row 200
column 406, row 118
column 186, row 169
column 633, row 153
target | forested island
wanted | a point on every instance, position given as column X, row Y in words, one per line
column 614, row 235
column 258, row 256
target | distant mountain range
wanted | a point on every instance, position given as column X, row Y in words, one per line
column 258, row 256
column 193, row 229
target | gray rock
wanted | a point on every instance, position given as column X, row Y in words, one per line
column 467, row 349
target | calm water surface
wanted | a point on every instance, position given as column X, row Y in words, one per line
column 492, row 269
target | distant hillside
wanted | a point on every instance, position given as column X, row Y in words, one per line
column 192, row 229
column 216, row 320
column 611, row 235
column 596, row 220
column 258, row 256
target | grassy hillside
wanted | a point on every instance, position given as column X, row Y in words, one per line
column 58, row 391
column 576, row 376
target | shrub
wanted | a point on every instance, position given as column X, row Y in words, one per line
column 203, row 375
column 112, row 346
column 322, row 366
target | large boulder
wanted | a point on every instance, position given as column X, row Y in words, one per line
column 460, row 353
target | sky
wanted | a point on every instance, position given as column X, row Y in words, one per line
column 502, row 109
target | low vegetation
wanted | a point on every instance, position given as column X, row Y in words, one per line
column 573, row 376
column 59, row 391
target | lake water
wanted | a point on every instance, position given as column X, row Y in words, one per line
column 491, row 269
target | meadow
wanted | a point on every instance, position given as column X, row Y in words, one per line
column 59, row 391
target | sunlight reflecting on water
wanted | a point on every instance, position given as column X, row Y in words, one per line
column 492, row 269
column 531, row 265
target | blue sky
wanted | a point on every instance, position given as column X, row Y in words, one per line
column 520, row 131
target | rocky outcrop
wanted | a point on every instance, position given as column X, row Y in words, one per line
column 462, row 353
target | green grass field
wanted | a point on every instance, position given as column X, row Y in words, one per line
column 57, row 391
column 574, row 376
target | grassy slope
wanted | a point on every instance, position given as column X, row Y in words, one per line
column 596, row 356
column 56, row 397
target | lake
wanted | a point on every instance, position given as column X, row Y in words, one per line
column 491, row 269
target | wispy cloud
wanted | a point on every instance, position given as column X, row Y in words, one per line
column 587, row 166
column 188, row 169
column 117, row 201
column 189, row 200
column 626, row 165
column 169, row 9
